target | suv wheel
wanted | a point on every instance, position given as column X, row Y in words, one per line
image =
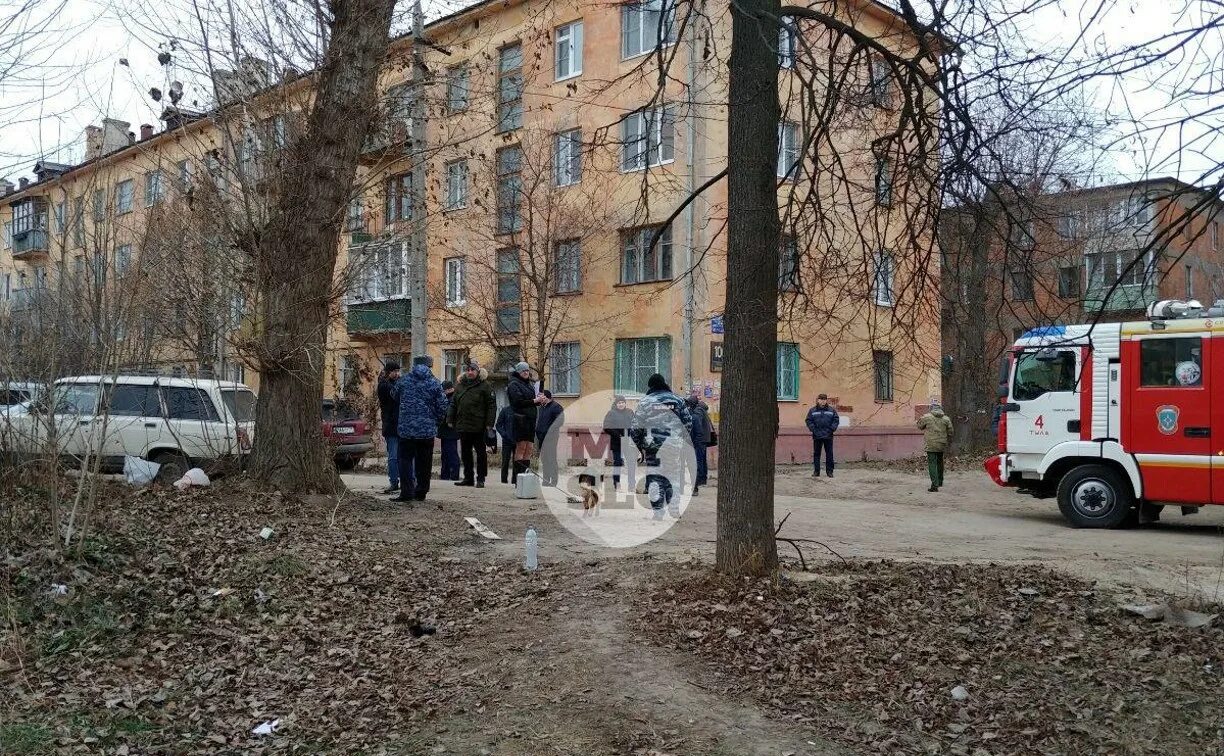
column 1094, row 496
column 173, row 466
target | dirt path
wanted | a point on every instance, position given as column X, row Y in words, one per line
column 879, row 514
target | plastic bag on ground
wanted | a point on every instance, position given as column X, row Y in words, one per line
column 139, row 472
column 193, row 477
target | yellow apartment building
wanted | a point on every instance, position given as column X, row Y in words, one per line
column 553, row 156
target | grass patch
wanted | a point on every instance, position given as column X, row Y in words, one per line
column 286, row 565
column 21, row 737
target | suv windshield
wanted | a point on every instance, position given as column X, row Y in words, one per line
column 240, row 403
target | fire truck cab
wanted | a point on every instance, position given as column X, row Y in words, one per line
column 1117, row 420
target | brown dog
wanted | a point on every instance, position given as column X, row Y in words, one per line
column 590, row 496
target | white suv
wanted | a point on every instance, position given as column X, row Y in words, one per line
column 177, row 422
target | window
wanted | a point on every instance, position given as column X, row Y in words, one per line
column 215, row 170
column 509, row 189
column 1069, row 282
column 399, row 198
column 638, row 359
column 1132, row 268
column 1189, row 282
column 354, row 219
column 1215, row 236
column 453, row 363
column 504, row 358
column 349, row 375
column 648, row 138
column 1171, row 363
column 788, row 371
column 788, row 150
column 1123, row 268
column 184, row 174
column 569, row 50
column 882, row 367
column 883, row 180
column 567, row 157
column 125, row 196
column 99, row 205
column 456, row 294
column 1041, row 372
column 78, row 270
column 457, row 86
column 647, row 25
column 8, row 234
column 509, row 296
column 153, row 188
column 788, row 264
column 882, row 278
column 78, row 222
column 240, row 403
column 188, row 404
column 510, row 88
column 640, row 263
column 123, row 258
column 787, row 42
column 1022, row 234
column 76, row 398
column 378, row 272
column 1139, row 211
column 1068, row 226
column 879, row 78
column 1021, row 283
column 563, row 361
column 567, row 267
column 61, row 221
column 134, row 401
column 456, row 184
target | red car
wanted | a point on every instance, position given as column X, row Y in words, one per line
column 347, row 433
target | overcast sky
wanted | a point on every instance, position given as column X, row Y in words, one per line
column 82, row 78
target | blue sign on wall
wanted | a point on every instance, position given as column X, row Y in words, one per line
column 716, row 324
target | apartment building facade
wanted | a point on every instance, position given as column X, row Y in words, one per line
column 1102, row 253
column 553, row 157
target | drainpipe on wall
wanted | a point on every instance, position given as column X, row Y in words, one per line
column 690, row 283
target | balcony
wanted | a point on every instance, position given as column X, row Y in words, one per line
column 1123, row 298
column 368, row 320
column 30, row 243
column 388, row 141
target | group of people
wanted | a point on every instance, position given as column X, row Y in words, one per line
column 823, row 421
column 417, row 408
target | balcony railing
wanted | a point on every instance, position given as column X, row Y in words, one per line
column 1123, row 297
column 30, row 243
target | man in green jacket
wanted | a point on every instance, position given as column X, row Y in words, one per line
column 936, row 429
column 473, row 412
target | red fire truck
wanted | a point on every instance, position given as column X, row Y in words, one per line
column 1117, row 420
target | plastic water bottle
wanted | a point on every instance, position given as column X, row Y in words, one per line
column 530, row 562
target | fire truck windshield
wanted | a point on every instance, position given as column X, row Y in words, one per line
column 1035, row 377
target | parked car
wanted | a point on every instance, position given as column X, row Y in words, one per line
column 13, row 393
column 178, row 423
column 347, row 433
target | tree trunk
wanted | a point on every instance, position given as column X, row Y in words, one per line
column 297, row 252
column 749, row 419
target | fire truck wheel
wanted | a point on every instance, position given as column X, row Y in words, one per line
column 1093, row 496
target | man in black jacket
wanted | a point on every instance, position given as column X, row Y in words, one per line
column 822, row 422
column 388, row 407
column 550, row 414
column 473, row 413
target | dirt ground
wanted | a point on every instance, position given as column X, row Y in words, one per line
column 873, row 513
column 157, row 645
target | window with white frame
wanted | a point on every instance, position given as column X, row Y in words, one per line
column 567, row 157
column 154, row 188
column 125, row 196
column 378, row 272
column 879, row 78
column 510, row 88
column 456, row 184
column 508, row 316
column 61, row 220
column 99, row 205
column 567, row 267
column 1068, row 225
column 646, row 26
column 1104, row 269
column 399, row 198
column 454, row 361
column 455, row 269
column 563, row 373
column 457, row 86
column 648, row 138
column 787, row 371
column 639, row 261
column 8, row 234
column 569, row 50
column 637, row 359
column 787, row 42
column 354, row 220
column 509, row 190
column 883, row 180
column 123, row 259
column 883, row 271
column 788, row 150
column 184, row 173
